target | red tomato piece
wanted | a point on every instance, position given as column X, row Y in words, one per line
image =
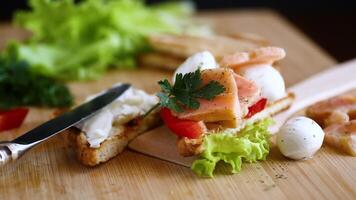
column 10, row 119
column 256, row 108
column 183, row 128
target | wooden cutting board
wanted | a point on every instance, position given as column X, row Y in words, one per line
column 50, row 171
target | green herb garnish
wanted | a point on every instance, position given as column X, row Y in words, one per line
column 186, row 91
column 21, row 87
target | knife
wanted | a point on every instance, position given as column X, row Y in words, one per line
column 12, row 150
column 160, row 143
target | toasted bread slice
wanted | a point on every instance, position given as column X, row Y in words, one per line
column 160, row 61
column 171, row 50
column 113, row 145
column 191, row 147
column 184, row 46
column 251, row 37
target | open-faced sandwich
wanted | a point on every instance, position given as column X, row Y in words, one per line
column 108, row 132
column 221, row 111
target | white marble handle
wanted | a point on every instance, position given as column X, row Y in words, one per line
column 5, row 156
column 329, row 83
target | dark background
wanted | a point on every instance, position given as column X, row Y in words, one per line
column 331, row 24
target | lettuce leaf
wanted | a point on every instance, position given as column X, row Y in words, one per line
column 248, row 145
column 76, row 41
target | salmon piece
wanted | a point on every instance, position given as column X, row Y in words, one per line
column 264, row 55
column 224, row 107
column 342, row 137
column 249, row 93
column 336, row 110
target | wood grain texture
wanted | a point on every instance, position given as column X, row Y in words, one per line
column 50, row 170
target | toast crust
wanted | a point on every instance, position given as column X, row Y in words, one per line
column 112, row 146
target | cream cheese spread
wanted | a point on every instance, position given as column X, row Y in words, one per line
column 132, row 103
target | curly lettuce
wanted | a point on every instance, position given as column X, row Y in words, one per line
column 81, row 40
column 249, row 145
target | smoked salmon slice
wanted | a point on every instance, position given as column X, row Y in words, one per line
column 224, row 107
column 338, row 115
column 249, row 93
column 264, row 55
column 337, row 110
column 342, row 137
column 229, row 107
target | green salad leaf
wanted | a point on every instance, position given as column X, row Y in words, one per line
column 21, row 87
column 249, row 145
column 76, row 41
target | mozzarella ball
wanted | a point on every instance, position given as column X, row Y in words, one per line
column 268, row 79
column 300, row 138
column 204, row 60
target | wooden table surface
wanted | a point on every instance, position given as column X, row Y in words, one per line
column 50, row 171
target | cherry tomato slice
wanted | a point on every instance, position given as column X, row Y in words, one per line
column 10, row 119
column 183, row 128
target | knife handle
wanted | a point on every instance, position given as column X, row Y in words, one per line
column 5, row 156
column 11, row 151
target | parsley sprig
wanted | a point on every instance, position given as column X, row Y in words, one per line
column 19, row 86
column 186, row 91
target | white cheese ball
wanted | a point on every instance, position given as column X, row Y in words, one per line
column 268, row 79
column 204, row 60
column 300, row 138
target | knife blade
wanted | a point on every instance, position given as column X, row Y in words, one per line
column 160, row 142
column 12, row 150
